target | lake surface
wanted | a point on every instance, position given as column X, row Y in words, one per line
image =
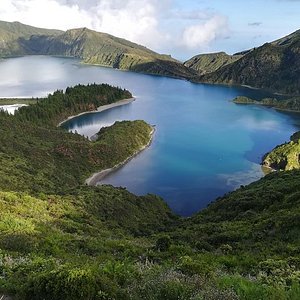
column 204, row 145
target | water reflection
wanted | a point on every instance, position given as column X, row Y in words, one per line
column 204, row 145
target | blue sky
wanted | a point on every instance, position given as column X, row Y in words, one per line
column 180, row 28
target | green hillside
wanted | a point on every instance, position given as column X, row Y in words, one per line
column 105, row 243
column 12, row 32
column 90, row 46
column 285, row 156
column 60, row 239
column 273, row 66
column 207, row 63
column 106, row 50
column 38, row 156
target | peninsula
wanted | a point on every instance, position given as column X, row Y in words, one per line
column 62, row 239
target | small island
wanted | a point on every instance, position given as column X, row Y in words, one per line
column 290, row 104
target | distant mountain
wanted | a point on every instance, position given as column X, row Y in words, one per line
column 12, row 32
column 274, row 66
column 90, row 46
column 207, row 63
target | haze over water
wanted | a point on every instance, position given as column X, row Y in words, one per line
column 204, row 145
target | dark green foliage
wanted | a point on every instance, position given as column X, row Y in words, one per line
column 273, row 66
column 36, row 155
column 163, row 243
column 291, row 104
column 90, row 46
column 60, row 239
column 60, row 105
column 259, row 219
column 207, row 63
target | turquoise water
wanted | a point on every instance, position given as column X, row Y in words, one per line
column 204, row 145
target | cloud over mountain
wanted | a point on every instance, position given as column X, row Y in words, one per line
column 202, row 34
column 141, row 21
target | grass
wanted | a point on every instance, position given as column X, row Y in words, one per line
column 11, row 101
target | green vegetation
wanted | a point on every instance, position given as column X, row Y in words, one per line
column 291, row 104
column 11, row 101
column 273, row 66
column 60, row 239
column 285, row 156
column 90, row 46
column 13, row 33
column 37, row 156
column 207, row 63
column 60, row 105
column 106, row 50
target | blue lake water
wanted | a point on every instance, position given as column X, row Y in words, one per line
column 204, row 145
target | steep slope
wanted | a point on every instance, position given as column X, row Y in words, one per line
column 90, row 46
column 12, row 32
column 207, row 63
column 273, row 66
column 104, row 49
column 285, row 156
column 288, row 40
column 62, row 240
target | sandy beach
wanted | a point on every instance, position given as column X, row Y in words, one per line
column 100, row 108
column 96, row 177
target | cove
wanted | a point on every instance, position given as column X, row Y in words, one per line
column 203, row 146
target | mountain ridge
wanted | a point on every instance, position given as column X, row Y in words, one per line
column 11, row 32
column 209, row 62
column 93, row 48
column 273, row 66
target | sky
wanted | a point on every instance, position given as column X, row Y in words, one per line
column 180, row 28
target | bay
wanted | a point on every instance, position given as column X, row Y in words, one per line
column 204, row 145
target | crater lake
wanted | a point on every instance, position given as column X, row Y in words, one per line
column 204, row 145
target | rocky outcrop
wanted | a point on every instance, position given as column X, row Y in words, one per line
column 285, row 156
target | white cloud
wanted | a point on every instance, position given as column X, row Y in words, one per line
column 135, row 20
column 44, row 13
column 200, row 36
column 156, row 24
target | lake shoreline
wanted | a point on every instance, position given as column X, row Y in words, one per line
column 256, row 102
column 100, row 109
column 98, row 176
